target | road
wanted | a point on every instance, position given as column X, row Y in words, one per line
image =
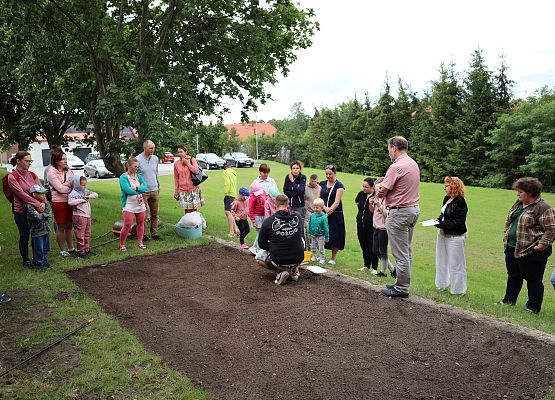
column 163, row 169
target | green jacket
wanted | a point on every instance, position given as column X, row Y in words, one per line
column 318, row 225
column 230, row 182
column 126, row 190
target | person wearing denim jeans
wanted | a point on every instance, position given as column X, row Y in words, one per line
column 400, row 190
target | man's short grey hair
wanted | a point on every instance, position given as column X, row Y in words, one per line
column 147, row 142
column 400, row 142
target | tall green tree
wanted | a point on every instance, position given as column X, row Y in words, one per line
column 523, row 142
column 160, row 66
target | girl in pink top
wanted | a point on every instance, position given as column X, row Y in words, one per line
column 240, row 212
column 20, row 181
column 189, row 196
column 59, row 180
column 380, row 239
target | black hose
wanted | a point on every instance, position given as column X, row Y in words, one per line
column 38, row 353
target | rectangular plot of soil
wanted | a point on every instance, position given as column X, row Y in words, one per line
column 216, row 316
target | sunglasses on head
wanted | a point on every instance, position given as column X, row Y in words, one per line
column 331, row 166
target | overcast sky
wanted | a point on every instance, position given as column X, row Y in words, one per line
column 360, row 42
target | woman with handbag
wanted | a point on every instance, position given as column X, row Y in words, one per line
column 186, row 192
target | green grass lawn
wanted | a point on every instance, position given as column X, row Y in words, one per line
column 112, row 362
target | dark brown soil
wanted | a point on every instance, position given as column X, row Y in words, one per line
column 216, row 316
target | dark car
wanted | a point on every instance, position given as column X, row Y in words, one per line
column 238, row 159
column 167, row 157
column 210, row 161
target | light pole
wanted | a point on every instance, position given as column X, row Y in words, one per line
column 256, row 139
column 197, row 143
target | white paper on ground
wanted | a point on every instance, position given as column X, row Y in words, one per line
column 430, row 222
column 316, row 269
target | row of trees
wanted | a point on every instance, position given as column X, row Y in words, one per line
column 157, row 66
column 467, row 125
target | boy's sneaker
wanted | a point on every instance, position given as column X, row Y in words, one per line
column 295, row 276
column 4, row 298
column 281, row 277
column 244, row 246
column 374, row 271
column 363, row 268
column 64, row 253
column 331, row 262
column 322, row 262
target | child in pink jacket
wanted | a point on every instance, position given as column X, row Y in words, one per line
column 257, row 199
column 240, row 212
column 79, row 200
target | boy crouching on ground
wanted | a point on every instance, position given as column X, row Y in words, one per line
column 281, row 242
column 39, row 227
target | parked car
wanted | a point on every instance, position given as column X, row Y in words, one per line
column 167, row 157
column 92, row 156
column 74, row 162
column 239, row 159
column 97, row 169
column 210, row 161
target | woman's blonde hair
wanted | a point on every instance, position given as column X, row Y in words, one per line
column 457, row 186
column 130, row 161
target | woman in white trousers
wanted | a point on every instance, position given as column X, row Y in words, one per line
column 450, row 261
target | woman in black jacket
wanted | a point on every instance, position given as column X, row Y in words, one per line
column 294, row 187
column 450, row 261
column 365, row 226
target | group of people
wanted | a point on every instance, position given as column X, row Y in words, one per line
column 307, row 214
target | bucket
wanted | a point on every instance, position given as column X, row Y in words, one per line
column 307, row 256
column 189, row 232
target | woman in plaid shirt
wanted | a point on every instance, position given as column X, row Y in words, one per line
column 529, row 234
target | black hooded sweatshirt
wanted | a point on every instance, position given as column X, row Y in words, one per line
column 282, row 235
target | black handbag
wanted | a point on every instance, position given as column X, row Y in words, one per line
column 199, row 177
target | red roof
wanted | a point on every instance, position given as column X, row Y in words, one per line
column 246, row 130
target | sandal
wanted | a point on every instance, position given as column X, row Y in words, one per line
column 122, row 248
column 141, row 246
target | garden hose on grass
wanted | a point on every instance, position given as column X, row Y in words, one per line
column 38, row 353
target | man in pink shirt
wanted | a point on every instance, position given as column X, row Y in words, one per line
column 400, row 191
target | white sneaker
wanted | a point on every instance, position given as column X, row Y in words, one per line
column 374, row 271
column 253, row 250
column 281, row 277
column 363, row 268
column 322, row 262
column 331, row 262
column 295, row 276
column 64, row 253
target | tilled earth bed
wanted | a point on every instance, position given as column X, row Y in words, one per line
column 213, row 314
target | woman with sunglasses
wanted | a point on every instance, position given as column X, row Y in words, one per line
column 59, row 180
column 332, row 193
column 20, row 181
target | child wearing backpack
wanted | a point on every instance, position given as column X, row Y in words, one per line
column 39, row 227
column 240, row 212
column 79, row 200
column 16, row 187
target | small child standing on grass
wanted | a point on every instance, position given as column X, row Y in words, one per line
column 257, row 199
column 270, row 205
column 79, row 200
column 380, row 239
column 319, row 231
column 240, row 211
column 39, row 227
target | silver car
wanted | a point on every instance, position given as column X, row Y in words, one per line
column 74, row 162
column 97, row 169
